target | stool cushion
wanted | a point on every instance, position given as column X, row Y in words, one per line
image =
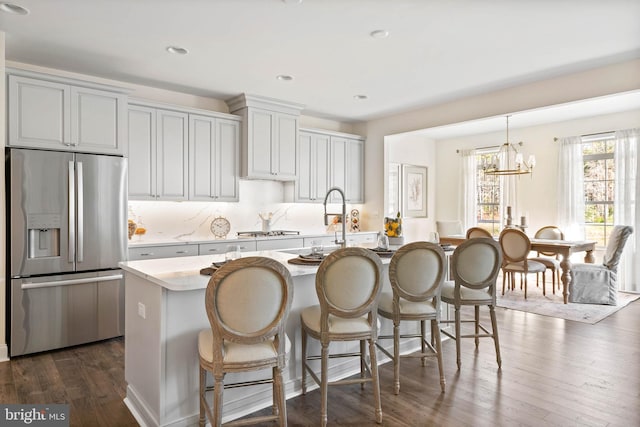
column 239, row 353
column 465, row 293
column 337, row 325
column 385, row 306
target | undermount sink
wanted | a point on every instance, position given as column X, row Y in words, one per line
column 306, row 251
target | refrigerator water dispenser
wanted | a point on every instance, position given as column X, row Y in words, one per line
column 43, row 235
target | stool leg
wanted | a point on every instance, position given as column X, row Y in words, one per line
column 423, row 334
column 363, row 348
column 304, row 361
column 396, row 358
column 476, row 310
column 203, row 397
column 435, row 329
column 496, row 340
column 324, row 383
column 457, row 326
column 278, row 397
column 217, row 399
column 376, row 383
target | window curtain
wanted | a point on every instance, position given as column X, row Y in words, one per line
column 626, row 210
column 570, row 188
column 468, row 205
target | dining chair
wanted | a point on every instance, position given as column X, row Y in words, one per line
column 476, row 264
column 598, row 284
column 550, row 260
column 247, row 301
column 348, row 284
column 449, row 228
column 416, row 273
column 478, row 232
column 515, row 250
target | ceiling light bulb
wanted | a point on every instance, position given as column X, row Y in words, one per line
column 177, row 49
column 13, row 9
column 379, row 34
column 284, row 78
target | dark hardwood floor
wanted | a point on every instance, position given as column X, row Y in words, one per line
column 554, row 373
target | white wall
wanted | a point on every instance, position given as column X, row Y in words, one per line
column 418, row 151
column 537, row 194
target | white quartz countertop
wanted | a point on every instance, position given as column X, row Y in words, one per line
column 183, row 273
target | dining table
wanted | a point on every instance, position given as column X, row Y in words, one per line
column 564, row 248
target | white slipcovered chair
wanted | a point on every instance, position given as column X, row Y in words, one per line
column 416, row 273
column 598, row 284
column 348, row 285
column 449, row 228
column 247, row 302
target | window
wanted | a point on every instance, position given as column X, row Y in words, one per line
column 599, row 187
column 488, row 195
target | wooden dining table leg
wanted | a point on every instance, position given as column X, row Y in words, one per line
column 565, row 264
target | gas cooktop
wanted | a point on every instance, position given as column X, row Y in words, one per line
column 272, row 233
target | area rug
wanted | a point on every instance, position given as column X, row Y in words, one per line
column 553, row 306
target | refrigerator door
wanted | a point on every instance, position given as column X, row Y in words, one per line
column 101, row 238
column 64, row 310
column 41, row 193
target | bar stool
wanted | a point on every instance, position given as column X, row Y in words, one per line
column 416, row 273
column 247, row 302
column 476, row 263
column 348, row 284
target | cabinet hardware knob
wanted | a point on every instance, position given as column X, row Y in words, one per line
column 147, row 254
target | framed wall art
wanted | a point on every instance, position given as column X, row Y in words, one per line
column 414, row 191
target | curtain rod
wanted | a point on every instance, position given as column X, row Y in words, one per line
column 604, row 134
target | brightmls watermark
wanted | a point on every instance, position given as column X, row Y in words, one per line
column 34, row 415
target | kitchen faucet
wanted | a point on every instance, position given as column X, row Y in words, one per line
column 343, row 242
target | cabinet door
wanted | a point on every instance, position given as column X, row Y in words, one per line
column 313, row 167
column 227, row 165
column 338, row 166
column 172, row 150
column 98, row 121
column 306, row 168
column 169, row 251
column 39, row 113
column 142, row 153
column 354, row 172
column 284, row 147
column 260, row 139
column 202, row 147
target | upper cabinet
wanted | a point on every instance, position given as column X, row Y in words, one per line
column 347, row 168
column 61, row 114
column 313, row 167
column 329, row 159
column 269, row 137
column 213, row 158
column 182, row 154
column 158, row 154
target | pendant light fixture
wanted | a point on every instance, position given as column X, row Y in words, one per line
column 509, row 161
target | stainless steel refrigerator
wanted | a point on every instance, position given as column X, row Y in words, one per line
column 67, row 232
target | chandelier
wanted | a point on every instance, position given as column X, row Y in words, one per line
column 508, row 160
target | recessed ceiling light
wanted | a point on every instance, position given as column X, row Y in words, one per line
column 177, row 49
column 14, row 9
column 284, row 78
column 360, row 97
column 379, row 34
column 292, row 1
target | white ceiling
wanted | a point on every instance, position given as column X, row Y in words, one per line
column 437, row 51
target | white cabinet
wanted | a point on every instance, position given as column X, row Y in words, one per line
column 272, row 244
column 347, row 168
column 218, row 248
column 168, row 251
column 213, row 158
column 269, row 137
column 53, row 113
column 313, row 167
column 158, row 154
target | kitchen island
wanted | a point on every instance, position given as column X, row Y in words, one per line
column 165, row 310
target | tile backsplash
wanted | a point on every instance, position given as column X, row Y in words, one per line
column 188, row 221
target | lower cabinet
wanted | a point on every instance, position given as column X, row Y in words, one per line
column 169, row 251
column 222, row 247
